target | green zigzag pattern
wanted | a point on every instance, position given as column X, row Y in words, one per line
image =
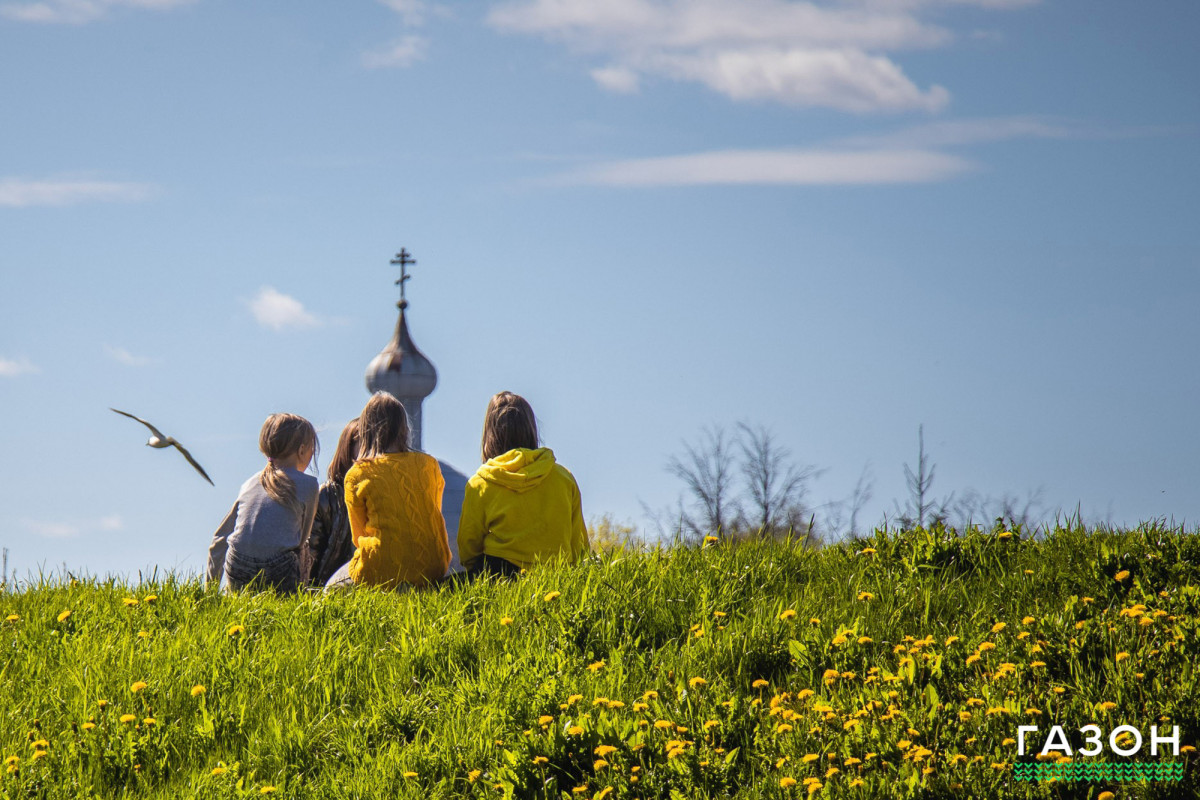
column 1099, row 771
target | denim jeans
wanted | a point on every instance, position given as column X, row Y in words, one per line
column 281, row 572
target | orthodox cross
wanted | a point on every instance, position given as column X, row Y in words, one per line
column 404, row 259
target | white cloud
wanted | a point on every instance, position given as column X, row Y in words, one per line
column 11, row 369
column 123, row 356
column 69, row 530
column 825, row 53
column 23, row 193
column 402, row 53
column 952, row 133
column 799, row 167
column 78, row 12
column 279, row 311
column 412, row 11
column 617, row 79
column 113, row 522
column 847, row 79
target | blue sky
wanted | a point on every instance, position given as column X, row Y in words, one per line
column 839, row 219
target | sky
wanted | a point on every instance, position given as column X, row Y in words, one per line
column 839, row 220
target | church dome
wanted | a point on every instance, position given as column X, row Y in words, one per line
column 401, row 369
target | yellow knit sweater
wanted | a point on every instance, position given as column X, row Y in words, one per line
column 395, row 507
column 524, row 507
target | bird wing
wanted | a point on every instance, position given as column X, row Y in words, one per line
column 191, row 460
column 153, row 429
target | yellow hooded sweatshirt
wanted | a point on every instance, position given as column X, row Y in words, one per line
column 523, row 507
column 395, row 507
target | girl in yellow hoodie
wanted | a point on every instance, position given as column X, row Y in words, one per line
column 394, row 502
column 520, row 507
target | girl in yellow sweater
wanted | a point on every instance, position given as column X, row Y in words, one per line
column 520, row 507
column 394, row 501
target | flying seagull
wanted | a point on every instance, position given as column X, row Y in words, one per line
column 160, row 441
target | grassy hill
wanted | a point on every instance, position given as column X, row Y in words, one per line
column 895, row 666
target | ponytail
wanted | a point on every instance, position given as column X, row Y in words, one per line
column 281, row 437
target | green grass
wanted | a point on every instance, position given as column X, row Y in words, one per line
column 342, row 695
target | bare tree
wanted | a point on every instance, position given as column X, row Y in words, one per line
column 921, row 505
column 707, row 469
column 777, row 486
column 864, row 489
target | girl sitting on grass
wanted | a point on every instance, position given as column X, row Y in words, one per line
column 261, row 539
column 520, row 507
column 394, row 501
column 329, row 544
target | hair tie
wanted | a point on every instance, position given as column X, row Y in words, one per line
column 270, row 461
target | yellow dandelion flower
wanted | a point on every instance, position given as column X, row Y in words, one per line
column 40, row 744
column 603, row 793
column 811, row 757
column 474, row 774
column 234, row 630
column 640, row 706
column 150, row 598
column 551, row 596
column 760, row 684
column 615, row 704
column 985, row 646
column 13, row 618
column 1033, row 712
column 786, row 782
column 596, row 666
column 545, row 719
column 573, row 699
column 697, row 682
column 965, row 715
column 127, row 718
column 783, row 727
column 814, row 620
column 850, row 762
column 272, row 790
column 712, row 723
column 854, row 784
column 999, row 626
column 87, row 726
column 217, row 771
column 506, row 621
column 604, row 750
column 650, row 695
column 540, row 760
column 130, row 601
column 198, row 690
column 663, row 724
column 1107, row 705
column 994, row 710
column 1036, row 664
column 149, row 722
column 1028, row 620
column 998, row 766
column 138, row 686
column 1187, row 748
column 1144, row 621
column 865, row 596
column 1007, row 742
column 1106, row 796
column 599, row 764
column 814, row 787
column 787, row 614
column 711, row 539
column 867, row 551
column 971, row 659
column 1122, row 656
column 1122, row 575
column 574, row 730
column 839, row 640
column 38, row 754
column 63, row 616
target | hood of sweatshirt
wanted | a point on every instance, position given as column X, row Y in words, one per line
column 519, row 470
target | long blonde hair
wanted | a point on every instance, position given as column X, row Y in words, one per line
column 281, row 437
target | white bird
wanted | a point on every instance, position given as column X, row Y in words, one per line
column 160, row 441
